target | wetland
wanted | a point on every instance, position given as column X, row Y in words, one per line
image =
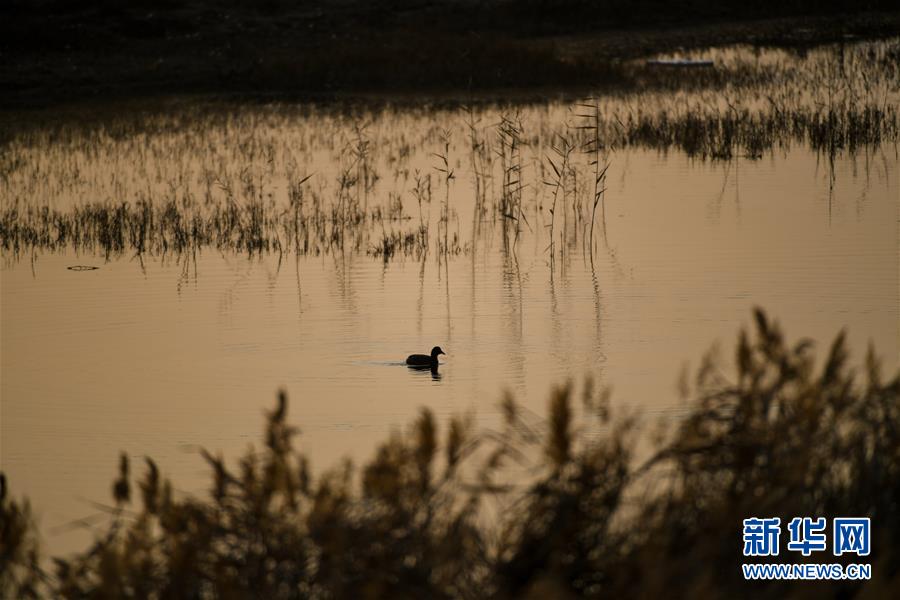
column 167, row 264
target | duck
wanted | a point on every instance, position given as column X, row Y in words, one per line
column 424, row 360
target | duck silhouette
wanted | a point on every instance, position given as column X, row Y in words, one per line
column 425, row 361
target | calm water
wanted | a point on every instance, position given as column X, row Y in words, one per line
column 186, row 353
column 161, row 355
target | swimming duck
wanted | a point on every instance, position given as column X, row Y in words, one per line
column 424, row 360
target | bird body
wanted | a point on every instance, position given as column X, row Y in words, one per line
column 425, row 360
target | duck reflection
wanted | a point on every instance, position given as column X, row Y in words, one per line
column 433, row 369
column 435, row 374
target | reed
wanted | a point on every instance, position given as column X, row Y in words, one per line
column 238, row 178
column 567, row 505
column 562, row 171
column 448, row 175
column 594, row 148
column 509, row 135
column 479, row 161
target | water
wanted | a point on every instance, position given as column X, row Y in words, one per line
column 160, row 353
column 188, row 352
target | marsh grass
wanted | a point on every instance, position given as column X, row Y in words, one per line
column 566, row 505
column 509, row 136
column 20, row 572
column 559, row 184
column 276, row 178
column 597, row 153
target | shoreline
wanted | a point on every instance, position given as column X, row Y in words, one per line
column 369, row 66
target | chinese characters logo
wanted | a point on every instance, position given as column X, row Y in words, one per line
column 807, row 535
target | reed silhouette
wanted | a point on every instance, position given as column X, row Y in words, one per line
column 564, row 506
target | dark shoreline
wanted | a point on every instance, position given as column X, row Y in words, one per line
column 353, row 60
